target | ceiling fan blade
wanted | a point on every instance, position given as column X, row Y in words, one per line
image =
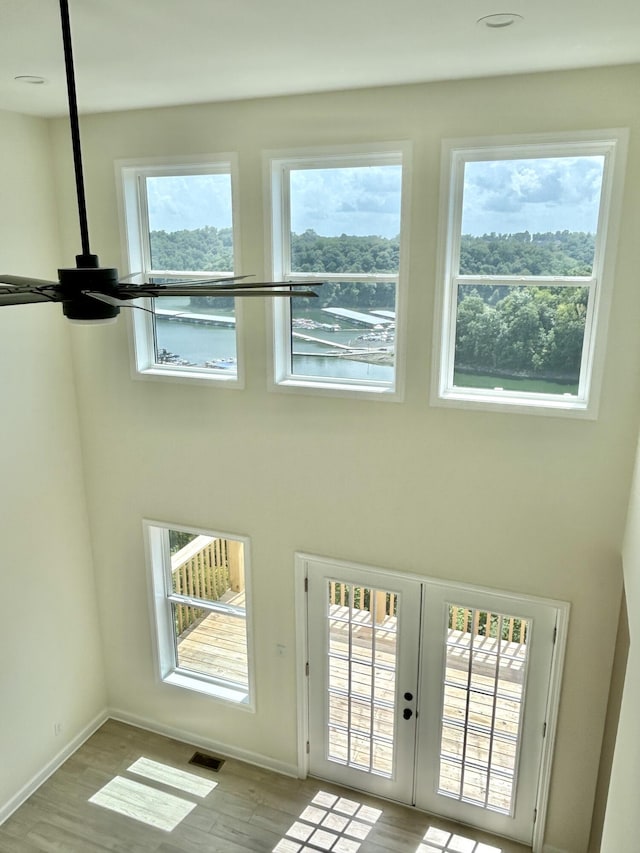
column 105, row 297
column 25, row 296
column 116, row 303
column 137, row 291
column 257, row 291
column 226, row 279
column 129, row 279
column 226, row 282
column 149, row 279
column 246, row 285
column 22, row 281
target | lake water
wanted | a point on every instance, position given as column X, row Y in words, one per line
column 201, row 343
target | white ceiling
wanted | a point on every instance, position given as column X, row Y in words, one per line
column 146, row 53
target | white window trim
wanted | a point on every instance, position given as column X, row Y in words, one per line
column 131, row 204
column 276, row 223
column 613, row 144
column 158, row 565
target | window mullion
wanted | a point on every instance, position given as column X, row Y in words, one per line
column 143, row 208
column 285, row 178
column 283, row 308
column 586, row 361
column 205, row 604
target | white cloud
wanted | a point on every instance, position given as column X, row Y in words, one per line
column 536, row 195
column 178, row 202
column 360, row 200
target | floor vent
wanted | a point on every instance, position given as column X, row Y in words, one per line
column 210, row 762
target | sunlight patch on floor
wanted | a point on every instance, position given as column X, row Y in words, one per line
column 329, row 823
column 441, row 841
column 189, row 783
column 143, row 803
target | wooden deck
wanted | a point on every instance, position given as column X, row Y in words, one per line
column 216, row 645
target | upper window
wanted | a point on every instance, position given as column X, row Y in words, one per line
column 200, row 593
column 527, row 268
column 338, row 217
column 180, row 225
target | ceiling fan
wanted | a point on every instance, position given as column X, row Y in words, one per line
column 94, row 294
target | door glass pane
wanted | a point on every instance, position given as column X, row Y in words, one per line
column 362, row 649
column 486, row 663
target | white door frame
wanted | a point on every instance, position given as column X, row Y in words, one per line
column 555, row 680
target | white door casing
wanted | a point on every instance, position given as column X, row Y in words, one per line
column 407, row 701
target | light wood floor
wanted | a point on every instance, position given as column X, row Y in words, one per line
column 249, row 809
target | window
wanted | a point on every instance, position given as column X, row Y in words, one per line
column 338, row 217
column 200, row 583
column 527, row 266
column 179, row 223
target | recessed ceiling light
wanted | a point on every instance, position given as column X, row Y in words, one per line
column 30, row 78
column 499, row 22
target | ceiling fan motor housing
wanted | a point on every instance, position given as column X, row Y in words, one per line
column 87, row 276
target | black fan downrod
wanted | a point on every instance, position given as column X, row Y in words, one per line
column 87, row 274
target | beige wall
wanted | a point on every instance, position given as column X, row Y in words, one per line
column 622, row 818
column 616, row 690
column 525, row 503
column 52, row 670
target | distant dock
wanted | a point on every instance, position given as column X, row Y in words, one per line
column 201, row 319
column 361, row 319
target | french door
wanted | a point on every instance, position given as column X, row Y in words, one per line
column 429, row 694
column 363, row 666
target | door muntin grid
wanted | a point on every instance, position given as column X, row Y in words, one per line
column 362, row 646
column 486, row 663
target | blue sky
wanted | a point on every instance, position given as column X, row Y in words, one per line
column 361, row 201
column 506, row 196
column 189, row 202
column 549, row 194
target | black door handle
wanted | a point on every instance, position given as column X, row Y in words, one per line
column 407, row 713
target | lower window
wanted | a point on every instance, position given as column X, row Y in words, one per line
column 201, row 607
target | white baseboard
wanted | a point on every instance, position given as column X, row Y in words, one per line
column 223, row 749
column 8, row 808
